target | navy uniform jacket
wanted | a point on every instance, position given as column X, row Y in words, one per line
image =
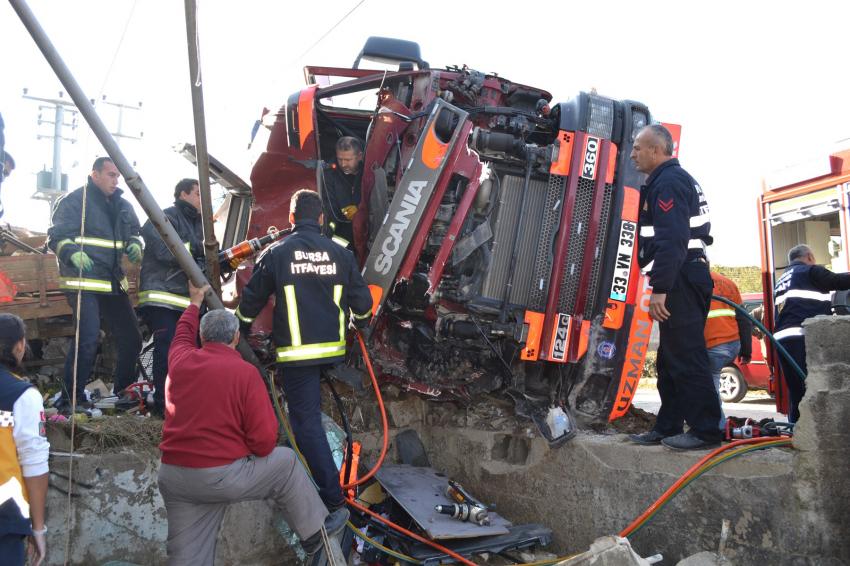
column 802, row 292
column 163, row 282
column 315, row 282
column 111, row 226
column 674, row 224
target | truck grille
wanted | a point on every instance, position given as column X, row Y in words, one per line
column 575, row 253
column 550, row 219
column 596, row 272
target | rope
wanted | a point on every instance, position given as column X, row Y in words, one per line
column 68, row 519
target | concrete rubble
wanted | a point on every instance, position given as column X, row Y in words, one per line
column 607, row 551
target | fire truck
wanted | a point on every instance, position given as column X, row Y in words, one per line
column 804, row 204
column 497, row 228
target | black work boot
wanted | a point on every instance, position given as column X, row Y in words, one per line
column 314, row 546
column 647, row 438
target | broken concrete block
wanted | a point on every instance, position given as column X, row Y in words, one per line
column 607, row 551
column 705, row 558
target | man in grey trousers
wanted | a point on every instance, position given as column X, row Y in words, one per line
column 219, row 446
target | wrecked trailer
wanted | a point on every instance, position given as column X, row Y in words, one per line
column 497, row 230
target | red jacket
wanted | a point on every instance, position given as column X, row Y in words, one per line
column 216, row 406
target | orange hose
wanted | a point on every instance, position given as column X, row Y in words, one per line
column 649, row 510
column 384, row 423
column 413, row 535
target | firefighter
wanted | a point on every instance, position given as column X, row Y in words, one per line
column 674, row 232
column 728, row 333
column 802, row 292
column 89, row 256
column 163, row 290
column 24, row 452
column 341, row 194
column 316, row 283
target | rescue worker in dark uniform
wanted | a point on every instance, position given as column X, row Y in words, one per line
column 89, row 258
column 341, row 190
column 802, row 292
column 316, row 284
column 674, row 232
column 164, row 289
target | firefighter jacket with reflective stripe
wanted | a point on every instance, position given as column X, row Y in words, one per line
column 316, row 285
column 111, row 226
column 163, row 283
column 674, row 224
column 802, row 292
column 725, row 324
column 14, row 509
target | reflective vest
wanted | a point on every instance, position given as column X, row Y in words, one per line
column 162, row 282
column 317, row 286
column 111, row 226
column 674, row 224
column 796, row 298
column 14, row 508
column 721, row 326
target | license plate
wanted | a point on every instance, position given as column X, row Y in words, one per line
column 623, row 261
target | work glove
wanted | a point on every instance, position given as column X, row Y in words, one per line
column 81, row 260
column 349, row 211
column 134, row 252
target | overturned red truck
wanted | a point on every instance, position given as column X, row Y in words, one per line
column 497, row 229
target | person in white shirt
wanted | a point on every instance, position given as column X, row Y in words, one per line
column 24, row 452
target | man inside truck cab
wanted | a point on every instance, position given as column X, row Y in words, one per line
column 802, row 292
column 674, row 232
column 341, row 190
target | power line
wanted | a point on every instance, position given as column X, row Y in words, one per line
column 117, row 48
column 327, row 33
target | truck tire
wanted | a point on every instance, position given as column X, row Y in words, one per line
column 733, row 386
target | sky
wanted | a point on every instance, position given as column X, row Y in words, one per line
column 757, row 86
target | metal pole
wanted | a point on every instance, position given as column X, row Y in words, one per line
column 59, row 119
column 134, row 181
column 201, row 156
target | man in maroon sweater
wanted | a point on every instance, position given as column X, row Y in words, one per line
column 219, row 446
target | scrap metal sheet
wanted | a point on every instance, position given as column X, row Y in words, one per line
column 418, row 490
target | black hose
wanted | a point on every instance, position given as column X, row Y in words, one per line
column 761, row 327
column 349, row 438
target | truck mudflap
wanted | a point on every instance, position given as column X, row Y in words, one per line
column 407, row 208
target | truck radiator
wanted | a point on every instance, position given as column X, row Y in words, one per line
column 507, row 217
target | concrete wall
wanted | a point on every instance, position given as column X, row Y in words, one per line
column 122, row 517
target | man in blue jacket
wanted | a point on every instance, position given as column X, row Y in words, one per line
column 674, row 232
column 316, row 285
column 802, row 292
column 89, row 253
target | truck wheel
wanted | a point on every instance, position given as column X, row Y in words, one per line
column 733, row 387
